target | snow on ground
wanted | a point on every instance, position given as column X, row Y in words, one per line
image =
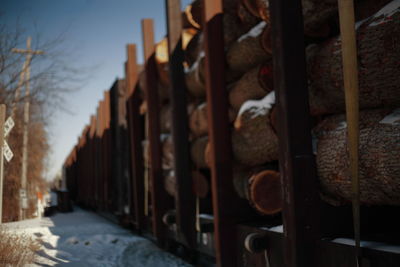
column 82, row 238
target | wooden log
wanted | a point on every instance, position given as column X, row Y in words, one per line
column 201, row 186
column 319, row 16
column 168, row 152
column 194, row 78
column 379, row 158
column 262, row 189
column 167, row 155
column 165, row 119
column 255, row 84
column 194, row 48
column 254, row 141
column 198, row 120
column 197, row 152
column 258, row 8
column 170, row 182
column 161, row 55
column 379, row 71
column 247, row 52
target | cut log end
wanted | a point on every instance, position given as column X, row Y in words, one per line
column 265, row 192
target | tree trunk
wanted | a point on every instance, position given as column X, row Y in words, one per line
column 197, row 152
column 262, row 189
column 170, row 183
column 255, row 84
column 168, row 152
column 247, row 52
column 201, row 186
column 194, row 77
column 253, row 139
column 194, row 48
column 198, row 120
column 166, row 119
column 379, row 166
column 378, row 40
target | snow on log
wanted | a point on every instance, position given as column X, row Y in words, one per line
column 254, row 84
column 253, row 139
column 379, row 158
column 247, row 52
column 262, row 189
column 378, row 61
column 194, row 78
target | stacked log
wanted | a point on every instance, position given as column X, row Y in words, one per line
column 200, row 184
column 197, row 152
column 198, row 120
column 262, row 189
column 167, row 150
column 247, row 51
column 379, row 66
column 253, row 139
column 254, row 85
column 379, row 158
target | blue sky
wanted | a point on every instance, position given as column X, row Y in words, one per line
column 97, row 31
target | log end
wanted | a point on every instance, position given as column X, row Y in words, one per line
column 265, row 192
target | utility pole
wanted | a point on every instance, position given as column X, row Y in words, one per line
column 25, row 76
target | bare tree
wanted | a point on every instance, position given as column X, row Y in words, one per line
column 52, row 78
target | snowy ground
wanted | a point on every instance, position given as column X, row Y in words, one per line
column 83, row 238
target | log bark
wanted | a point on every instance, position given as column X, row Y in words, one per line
column 201, row 186
column 197, row 152
column 254, row 141
column 194, row 78
column 262, row 189
column 194, row 48
column 165, row 119
column 246, row 52
column 168, row 152
column 379, row 158
column 170, row 182
column 255, row 84
column 378, row 44
column 198, row 120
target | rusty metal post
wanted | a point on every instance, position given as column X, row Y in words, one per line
column 135, row 138
column 184, row 200
column 301, row 213
column 159, row 196
column 227, row 207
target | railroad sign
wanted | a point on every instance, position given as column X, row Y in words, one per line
column 22, row 193
column 8, row 154
column 8, row 125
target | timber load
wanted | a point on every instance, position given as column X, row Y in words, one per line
column 320, row 16
column 254, row 141
column 378, row 62
column 379, row 158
